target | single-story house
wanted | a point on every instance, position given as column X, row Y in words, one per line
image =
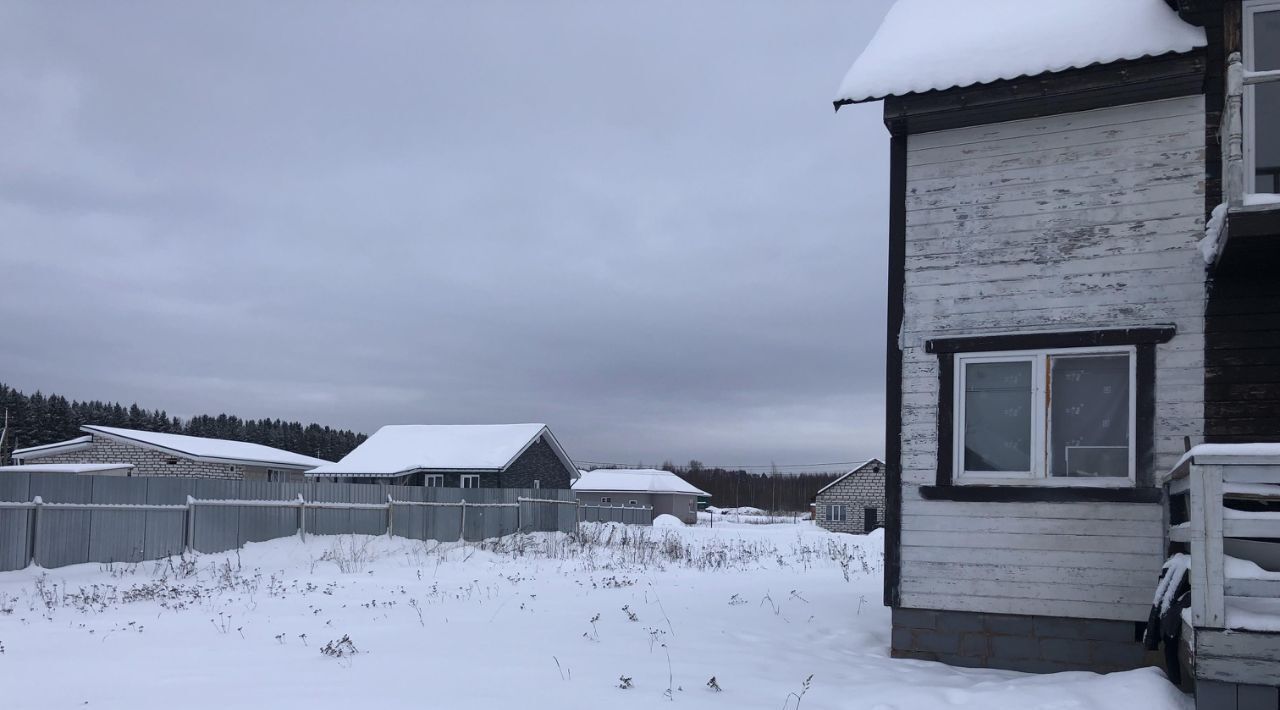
column 456, row 456
column 160, row 454
column 87, row 469
column 665, row 492
column 854, row 502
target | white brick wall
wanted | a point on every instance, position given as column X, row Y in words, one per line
column 146, row 462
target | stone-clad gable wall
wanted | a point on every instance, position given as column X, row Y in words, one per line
column 146, row 462
column 864, row 489
column 538, row 463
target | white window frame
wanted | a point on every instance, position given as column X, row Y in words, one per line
column 277, row 475
column 433, row 480
column 1041, row 426
column 606, row 499
column 844, row 513
column 1249, row 9
column 473, row 478
column 633, row 503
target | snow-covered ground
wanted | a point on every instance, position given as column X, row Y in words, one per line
column 781, row 616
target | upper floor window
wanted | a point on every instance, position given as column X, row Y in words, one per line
column 1042, row 417
column 469, row 480
column 1262, row 95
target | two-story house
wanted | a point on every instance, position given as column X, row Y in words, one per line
column 1084, row 235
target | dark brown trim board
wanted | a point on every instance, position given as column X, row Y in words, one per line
column 893, row 367
column 1113, row 84
column 1040, row 494
column 1061, row 339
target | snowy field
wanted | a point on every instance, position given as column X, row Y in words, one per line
column 781, row 616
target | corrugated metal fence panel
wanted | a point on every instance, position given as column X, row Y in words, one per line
column 62, row 537
column 257, row 523
column 328, row 521
column 410, row 521
column 165, row 490
column 14, row 524
column 14, row 543
column 368, row 522
column 117, row 535
column 61, row 487
column 216, row 528
column 166, row 531
column 14, row 487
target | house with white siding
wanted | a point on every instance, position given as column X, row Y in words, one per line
column 1065, row 321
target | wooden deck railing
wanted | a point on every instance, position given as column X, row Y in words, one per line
column 1209, row 497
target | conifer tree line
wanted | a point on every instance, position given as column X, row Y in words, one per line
column 768, row 491
column 37, row 419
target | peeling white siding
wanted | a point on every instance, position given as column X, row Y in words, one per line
column 1084, row 220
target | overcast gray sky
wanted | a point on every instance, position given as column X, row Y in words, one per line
column 638, row 222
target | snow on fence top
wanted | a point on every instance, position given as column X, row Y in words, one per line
column 924, row 45
column 206, row 449
column 635, row 480
column 404, row 448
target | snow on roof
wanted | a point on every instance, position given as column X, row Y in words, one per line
column 79, row 441
column 404, row 448
column 205, row 449
column 939, row 44
column 65, row 467
column 635, row 480
column 852, row 471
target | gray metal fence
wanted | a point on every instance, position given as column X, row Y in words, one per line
column 631, row 515
column 57, row 519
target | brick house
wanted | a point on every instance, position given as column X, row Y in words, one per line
column 456, row 456
column 854, row 502
column 152, row 453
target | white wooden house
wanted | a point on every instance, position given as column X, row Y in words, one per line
column 1055, row 341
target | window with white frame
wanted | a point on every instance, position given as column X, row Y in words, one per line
column 1261, row 56
column 433, row 480
column 1047, row 417
column 276, row 475
column 605, row 499
column 632, row 502
column 469, row 480
column 837, row 513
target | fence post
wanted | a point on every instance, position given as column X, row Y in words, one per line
column 35, row 525
column 519, row 508
column 462, row 528
column 189, row 525
column 302, row 518
column 391, row 515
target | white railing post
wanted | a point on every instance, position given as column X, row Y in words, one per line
column 1231, row 134
column 1208, row 606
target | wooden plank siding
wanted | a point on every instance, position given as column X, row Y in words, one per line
column 1072, row 221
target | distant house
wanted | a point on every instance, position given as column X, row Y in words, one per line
column 665, row 492
column 159, row 454
column 854, row 502
column 457, row 456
